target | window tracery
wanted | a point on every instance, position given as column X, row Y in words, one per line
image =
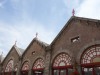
column 38, row 64
column 62, row 60
column 25, row 66
column 91, row 55
column 9, row 66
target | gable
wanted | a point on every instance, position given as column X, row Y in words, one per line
column 83, row 30
column 35, row 47
column 12, row 55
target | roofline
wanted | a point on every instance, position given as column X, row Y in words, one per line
column 72, row 17
column 35, row 39
column 18, row 51
column 62, row 30
column 28, row 47
column 9, row 52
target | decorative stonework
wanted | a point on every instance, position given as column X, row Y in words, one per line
column 62, row 60
column 9, row 66
column 91, row 54
column 25, row 66
column 39, row 63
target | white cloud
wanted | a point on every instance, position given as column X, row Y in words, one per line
column 23, row 32
column 90, row 9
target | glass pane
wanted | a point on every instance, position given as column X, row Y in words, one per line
column 38, row 72
column 62, row 72
column 97, row 70
column 56, row 72
column 88, row 71
column 70, row 71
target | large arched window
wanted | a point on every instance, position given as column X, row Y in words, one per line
column 62, row 60
column 38, row 67
column 9, row 66
column 90, row 60
column 39, row 63
column 25, row 66
column 62, row 64
column 91, row 55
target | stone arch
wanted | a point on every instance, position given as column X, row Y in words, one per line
column 38, row 64
column 84, row 48
column 25, row 66
column 91, row 54
column 10, row 65
column 61, row 51
column 62, row 59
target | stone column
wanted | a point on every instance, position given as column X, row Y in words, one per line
column 79, row 69
column 30, row 72
column 19, row 67
column 47, row 62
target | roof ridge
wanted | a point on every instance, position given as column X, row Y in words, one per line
column 18, row 50
column 42, row 42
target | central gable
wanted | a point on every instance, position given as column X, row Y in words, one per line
column 75, row 31
column 35, row 47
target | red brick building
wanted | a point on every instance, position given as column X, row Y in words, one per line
column 75, row 49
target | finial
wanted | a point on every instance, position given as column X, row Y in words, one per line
column 73, row 12
column 36, row 34
column 15, row 43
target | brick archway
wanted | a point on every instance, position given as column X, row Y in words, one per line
column 9, row 67
column 38, row 66
column 61, row 64
column 25, row 68
column 90, row 60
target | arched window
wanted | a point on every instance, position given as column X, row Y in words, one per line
column 91, row 55
column 38, row 67
column 62, row 60
column 39, row 63
column 9, row 66
column 90, row 60
column 62, row 64
column 25, row 66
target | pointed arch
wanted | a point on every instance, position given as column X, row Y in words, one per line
column 25, row 66
column 91, row 55
column 9, row 66
column 62, row 59
column 39, row 64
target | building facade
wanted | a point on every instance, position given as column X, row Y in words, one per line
column 75, row 50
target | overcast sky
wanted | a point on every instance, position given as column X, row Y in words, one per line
column 21, row 19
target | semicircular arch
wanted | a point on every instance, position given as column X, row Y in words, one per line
column 9, row 66
column 38, row 64
column 62, row 59
column 25, row 66
column 91, row 54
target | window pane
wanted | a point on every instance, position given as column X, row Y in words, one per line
column 70, row 71
column 88, row 71
column 62, row 72
column 97, row 70
column 56, row 72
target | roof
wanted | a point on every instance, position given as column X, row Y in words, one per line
column 19, row 51
column 41, row 43
column 69, row 21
